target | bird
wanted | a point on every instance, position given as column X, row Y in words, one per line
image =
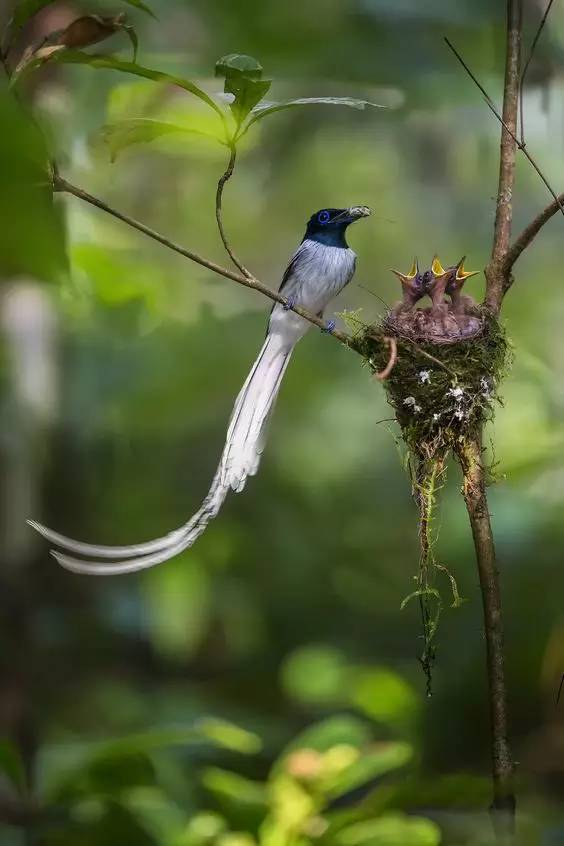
column 319, row 269
column 435, row 283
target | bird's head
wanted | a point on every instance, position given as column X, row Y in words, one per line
column 329, row 225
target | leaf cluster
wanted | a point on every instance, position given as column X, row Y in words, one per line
column 241, row 107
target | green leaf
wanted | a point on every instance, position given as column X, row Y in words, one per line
column 77, row 57
column 11, row 764
column 28, row 214
column 229, row 736
column 25, row 9
column 237, row 65
column 119, row 136
column 383, row 695
column 234, row 789
column 390, row 830
column 82, row 32
column 128, row 760
column 378, row 759
column 247, row 92
column 139, row 4
column 341, row 730
column 158, row 814
column 317, row 675
column 260, row 112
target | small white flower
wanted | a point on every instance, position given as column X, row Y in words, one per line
column 411, row 403
column 436, row 417
column 457, row 393
column 424, row 376
column 460, row 414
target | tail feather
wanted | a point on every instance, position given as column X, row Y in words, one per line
column 246, row 434
column 241, row 455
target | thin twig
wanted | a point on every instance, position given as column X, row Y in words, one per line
column 61, row 184
column 424, row 353
column 494, row 110
column 393, row 346
column 529, row 233
column 526, row 66
column 218, row 215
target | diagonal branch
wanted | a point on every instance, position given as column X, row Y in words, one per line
column 511, row 137
column 528, row 234
column 61, row 185
column 526, row 66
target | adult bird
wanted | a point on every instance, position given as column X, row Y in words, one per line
column 319, row 269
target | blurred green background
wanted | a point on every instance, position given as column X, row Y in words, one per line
column 265, row 686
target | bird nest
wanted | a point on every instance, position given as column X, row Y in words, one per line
column 441, row 389
column 449, row 361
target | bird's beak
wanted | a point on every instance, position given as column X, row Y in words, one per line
column 461, row 274
column 357, row 212
column 437, row 268
column 407, row 277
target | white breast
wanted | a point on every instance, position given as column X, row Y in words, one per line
column 319, row 273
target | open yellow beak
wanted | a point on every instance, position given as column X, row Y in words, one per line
column 437, row 268
column 414, row 270
column 462, row 274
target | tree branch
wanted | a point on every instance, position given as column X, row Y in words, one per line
column 218, row 216
column 60, row 184
column 497, row 284
column 469, row 454
column 508, row 144
column 527, row 235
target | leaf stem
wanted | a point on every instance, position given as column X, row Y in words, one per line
column 224, row 178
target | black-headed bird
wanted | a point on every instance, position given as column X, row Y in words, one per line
column 319, row 269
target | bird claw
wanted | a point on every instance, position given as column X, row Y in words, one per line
column 330, row 326
column 291, row 301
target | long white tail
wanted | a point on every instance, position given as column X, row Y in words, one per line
column 244, row 444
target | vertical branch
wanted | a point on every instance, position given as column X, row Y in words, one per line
column 496, row 283
column 469, row 454
column 508, row 146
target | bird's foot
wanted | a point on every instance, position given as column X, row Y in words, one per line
column 329, row 327
column 290, row 303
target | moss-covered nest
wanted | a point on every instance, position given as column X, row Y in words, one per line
column 439, row 391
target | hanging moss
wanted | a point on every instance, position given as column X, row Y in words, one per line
column 441, row 393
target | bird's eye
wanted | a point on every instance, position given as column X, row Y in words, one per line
column 323, row 217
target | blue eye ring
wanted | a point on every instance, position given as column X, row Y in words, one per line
column 323, row 217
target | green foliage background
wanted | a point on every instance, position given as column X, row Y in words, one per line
column 161, row 708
